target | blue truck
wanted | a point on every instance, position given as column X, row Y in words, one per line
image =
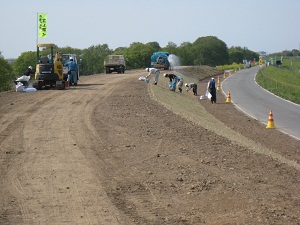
column 159, row 60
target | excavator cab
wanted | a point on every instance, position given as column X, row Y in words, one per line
column 49, row 69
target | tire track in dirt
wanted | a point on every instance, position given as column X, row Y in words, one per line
column 12, row 139
column 47, row 179
column 134, row 200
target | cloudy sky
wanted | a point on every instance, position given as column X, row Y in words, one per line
column 259, row 25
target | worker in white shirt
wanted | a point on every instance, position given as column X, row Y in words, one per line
column 155, row 72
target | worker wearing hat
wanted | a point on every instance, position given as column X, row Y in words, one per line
column 211, row 87
column 28, row 71
column 153, row 71
column 173, row 80
column 180, row 84
column 73, row 68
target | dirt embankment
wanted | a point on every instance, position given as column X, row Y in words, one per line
column 106, row 152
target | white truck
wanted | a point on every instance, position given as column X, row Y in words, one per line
column 115, row 63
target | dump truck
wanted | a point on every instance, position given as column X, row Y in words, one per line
column 115, row 63
column 49, row 69
column 160, row 60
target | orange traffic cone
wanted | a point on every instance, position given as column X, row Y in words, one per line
column 228, row 99
column 224, row 76
column 218, row 87
column 270, row 121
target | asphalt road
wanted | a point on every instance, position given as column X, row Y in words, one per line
column 257, row 102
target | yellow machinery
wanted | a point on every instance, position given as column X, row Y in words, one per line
column 49, row 69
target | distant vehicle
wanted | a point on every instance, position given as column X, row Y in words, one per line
column 247, row 64
column 159, row 60
column 115, row 63
column 65, row 59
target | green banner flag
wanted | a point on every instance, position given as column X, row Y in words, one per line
column 42, row 25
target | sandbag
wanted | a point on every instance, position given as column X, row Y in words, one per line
column 23, row 78
column 208, row 95
column 19, row 87
column 29, row 89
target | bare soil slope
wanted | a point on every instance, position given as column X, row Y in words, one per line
column 110, row 152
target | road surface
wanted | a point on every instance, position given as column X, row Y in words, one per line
column 257, row 102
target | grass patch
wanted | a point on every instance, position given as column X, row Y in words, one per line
column 283, row 81
column 187, row 105
column 233, row 66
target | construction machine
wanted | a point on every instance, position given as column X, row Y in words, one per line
column 160, row 60
column 49, row 69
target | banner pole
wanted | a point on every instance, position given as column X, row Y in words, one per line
column 37, row 28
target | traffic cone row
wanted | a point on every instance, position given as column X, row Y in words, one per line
column 228, row 100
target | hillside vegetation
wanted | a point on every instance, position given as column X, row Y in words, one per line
column 283, row 80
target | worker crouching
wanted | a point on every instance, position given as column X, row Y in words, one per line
column 155, row 72
column 191, row 86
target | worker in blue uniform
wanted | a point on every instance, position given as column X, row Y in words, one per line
column 72, row 74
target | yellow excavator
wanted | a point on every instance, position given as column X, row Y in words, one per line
column 49, row 69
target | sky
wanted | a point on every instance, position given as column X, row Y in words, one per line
column 259, row 25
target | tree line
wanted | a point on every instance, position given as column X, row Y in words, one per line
column 207, row 50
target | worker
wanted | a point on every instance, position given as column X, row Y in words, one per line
column 191, row 86
column 211, row 87
column 72, row 74
column 170, row 76
column 180, row 84
column 152, row 71
column 173, row 81
column 28, row 71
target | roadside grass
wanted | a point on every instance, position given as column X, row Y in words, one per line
column 233, row 66
column 185, row 103
column 283, row 81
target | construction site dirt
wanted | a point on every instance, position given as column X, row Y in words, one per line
column 108, row 152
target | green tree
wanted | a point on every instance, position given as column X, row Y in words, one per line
column 171, row 47
column 184, row 52
column 119, row 50
column 23, row 61
column 6, row 77
column 155, row 46
column 237, row 54
column 93, row 59
column 250, row 55
column 210, row 51
column 138, row 55
column 67, row 50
